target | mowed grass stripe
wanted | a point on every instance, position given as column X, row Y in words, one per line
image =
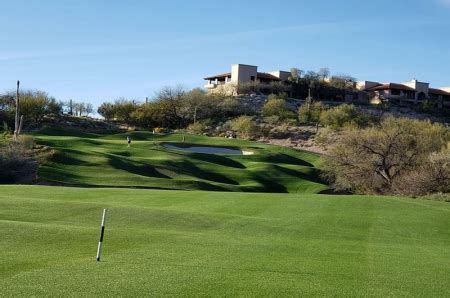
column 219, row 243
column 105, row 160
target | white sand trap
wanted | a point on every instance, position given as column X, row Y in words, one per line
column 209, row 150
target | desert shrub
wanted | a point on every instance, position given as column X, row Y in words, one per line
column 379, row 159
column 197, row 128
column 274, row 107
column 433, row 176
column 272, row 120
column 248, row 87
column 291, row 119
column 426, row 106
column 344, row 115
column 230, row 106
column 16, row 161
column 159, row 130
column 309, row 112
column 245, row 126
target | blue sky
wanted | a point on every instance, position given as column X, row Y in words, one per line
column 98, row 51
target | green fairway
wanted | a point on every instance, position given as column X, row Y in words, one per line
column 84, row 159
column 190, row 243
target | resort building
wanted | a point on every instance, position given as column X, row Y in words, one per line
column 413, row 92
column 244, row 76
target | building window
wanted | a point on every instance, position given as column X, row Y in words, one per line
column 252, row 78
column 395, row 92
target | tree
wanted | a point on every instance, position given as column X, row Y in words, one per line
column 123, row 109
column 343, row 82
column 323, row 74
column 107, row 111
column 296, row 75
column 373, row 160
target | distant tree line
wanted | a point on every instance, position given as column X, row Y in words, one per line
column 321, row 84
column 172, row 107
column 35, row 105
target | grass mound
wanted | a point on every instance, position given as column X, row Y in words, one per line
column 198, row 243
column 104, row 160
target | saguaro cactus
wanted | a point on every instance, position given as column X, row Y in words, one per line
column 17, row 118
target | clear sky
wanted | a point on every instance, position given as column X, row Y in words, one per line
column 96, row 50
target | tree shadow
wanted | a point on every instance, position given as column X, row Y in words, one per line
column 312, row 176
column 62, row 157
column 282, row 158
column 142, row 169
column 267, row 185
column 188, row 168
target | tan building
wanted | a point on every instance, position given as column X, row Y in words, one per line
column 413, row 92
column 241, row 76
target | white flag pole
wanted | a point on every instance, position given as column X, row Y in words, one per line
column 102, row 232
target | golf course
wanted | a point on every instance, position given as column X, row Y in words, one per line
column 199, row 243
column 183, row 223
column 159, row 161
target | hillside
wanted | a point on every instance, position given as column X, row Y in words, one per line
column 216, row 244
column 87, row 159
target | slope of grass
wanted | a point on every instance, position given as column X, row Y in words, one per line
column 104, row 160
column 219, row 243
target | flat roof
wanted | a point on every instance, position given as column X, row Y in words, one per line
column 219, row 76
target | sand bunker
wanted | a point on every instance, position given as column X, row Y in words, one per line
column 208, row 150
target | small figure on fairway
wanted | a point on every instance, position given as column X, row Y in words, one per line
column 129, row 140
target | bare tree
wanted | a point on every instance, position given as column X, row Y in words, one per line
column 371, row 160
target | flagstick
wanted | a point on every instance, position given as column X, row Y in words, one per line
column 99, row 248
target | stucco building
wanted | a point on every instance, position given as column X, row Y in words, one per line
column 243, row 75
column 413, row 92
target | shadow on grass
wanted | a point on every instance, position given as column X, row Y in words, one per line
column 217, row 159
column 267, row 185
column 312, row 176
column 281, row 158
column 133, row 167
column 331, row 191
column 188, row 168
column 64, row 159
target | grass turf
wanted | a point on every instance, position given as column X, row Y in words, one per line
column 85, row 159
column 202, row 243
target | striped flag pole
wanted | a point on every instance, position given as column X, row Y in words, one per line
column 102, row 232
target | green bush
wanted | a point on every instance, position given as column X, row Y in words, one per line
column 345, row 115
column 275, row 107
column 197, row 128
column 272, row 120
column 245, row 126
column 310, row 112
